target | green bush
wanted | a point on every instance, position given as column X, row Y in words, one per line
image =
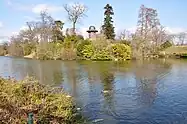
column 73, row 39
column 126, row 42
column 88, row 51
column 16, row 49
column 44, row 54
column 68, row 54
column 80, row 46
column 51, row 51
column 102, row 55
column 121, row 51
column 17, row 99
column 28, row 48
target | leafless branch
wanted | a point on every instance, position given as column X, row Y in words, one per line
column 75, row 13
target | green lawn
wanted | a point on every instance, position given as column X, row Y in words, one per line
column 176, row 50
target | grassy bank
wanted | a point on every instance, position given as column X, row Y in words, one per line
column 49, row 105
column 175, row 52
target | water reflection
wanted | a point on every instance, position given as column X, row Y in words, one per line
column 139, row 92
column 148, row 80
column 107, row 79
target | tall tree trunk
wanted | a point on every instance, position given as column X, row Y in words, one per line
column 74, row 28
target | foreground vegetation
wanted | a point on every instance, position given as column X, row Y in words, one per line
column 49, row 105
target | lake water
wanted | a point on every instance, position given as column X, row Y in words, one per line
column 143, row 92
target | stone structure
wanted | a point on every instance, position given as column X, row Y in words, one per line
column 92, row 32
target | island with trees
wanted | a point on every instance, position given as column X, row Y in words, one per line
column 45, row 40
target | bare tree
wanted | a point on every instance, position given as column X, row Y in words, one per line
column 40, row 30
column 125, row 35
column 149, row 33
column 46, row 26
column 158, row 36
column 32, row 32
column 182, row 38
column 75, row 13
column 37, row 31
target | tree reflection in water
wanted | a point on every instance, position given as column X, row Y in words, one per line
column 107, row 79
column 47, row 72
column 148, row 77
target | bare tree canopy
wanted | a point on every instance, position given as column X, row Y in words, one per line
column 125, row 35
column 182, row 36
column 75, row 13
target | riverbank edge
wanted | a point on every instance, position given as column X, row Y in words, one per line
column 159, row 56
column 20, row 98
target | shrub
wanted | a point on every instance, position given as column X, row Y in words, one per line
column 56, row 49
column 72, row 39
column 3, row 52
column 88, row 51
column 102, row 55
column 4, row 49
column 68, row 54
column 17, row 99
column 80, row 46
column 28, row 48
column 100, row 44
column 51, row 51
column 121, row 51
column 126, row 42
column 44, row 54
column 16, row 49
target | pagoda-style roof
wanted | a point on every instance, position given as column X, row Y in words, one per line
column 92, row 29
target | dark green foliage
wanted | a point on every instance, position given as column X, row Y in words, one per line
column 57, row 36
column 57, row 31
column 108, row 26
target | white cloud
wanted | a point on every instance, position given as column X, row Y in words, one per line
column 50, row 8
column 174, row 30
column 9, row 2
column 24, row 27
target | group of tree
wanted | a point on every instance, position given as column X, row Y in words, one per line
column 46, row 39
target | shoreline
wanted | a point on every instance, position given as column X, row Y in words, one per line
column 161, row 56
